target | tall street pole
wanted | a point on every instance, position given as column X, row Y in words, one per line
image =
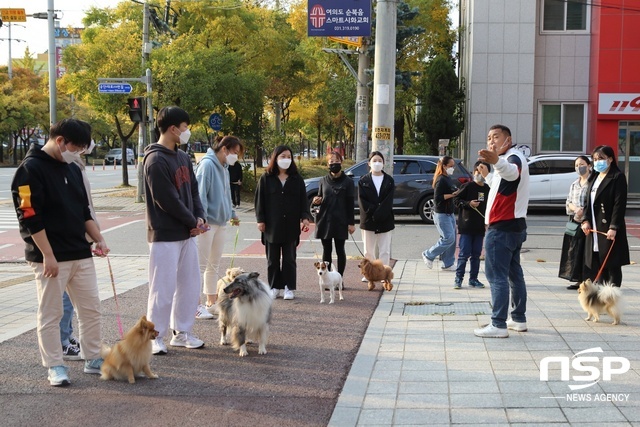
column 384, row 82
column 142, row 129
column 362, row 104
column 53, row 93
column 10, row 69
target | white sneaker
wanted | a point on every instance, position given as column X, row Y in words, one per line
column 427, row 261
column 364, row 279
column 288, row 293
column 213, row 309
column 516, row 326
column 186, row 339
column 452, row 267
column 274, row 293
column 158, row 347
column 491, row 331
column 203, row 313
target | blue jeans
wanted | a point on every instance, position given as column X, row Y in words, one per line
column 503, row 270
column 470, row 248
column 446, row 244
column 66, row 323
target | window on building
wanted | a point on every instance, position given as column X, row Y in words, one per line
column 565, row 15
column 563, row 127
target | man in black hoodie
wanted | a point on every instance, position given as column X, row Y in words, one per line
column 53, row 213
column 174, row 216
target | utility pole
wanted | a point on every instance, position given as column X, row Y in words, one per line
column 362, row 104
column 384, row 82
column 10, row 69
column 143, row 139
column 53, row 93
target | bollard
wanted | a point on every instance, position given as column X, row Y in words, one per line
column 94, row 165
column 103, row 164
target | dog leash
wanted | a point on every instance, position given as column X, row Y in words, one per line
column 606, row 258
column 476, row 209
column 235, row 245
column 354, row 242
column 115, row 297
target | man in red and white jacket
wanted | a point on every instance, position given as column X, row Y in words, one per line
column 507, row 230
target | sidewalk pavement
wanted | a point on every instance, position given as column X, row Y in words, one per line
column 416, row 368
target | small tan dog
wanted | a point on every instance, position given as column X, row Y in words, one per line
column 596, row 299
column 229, row 277
column 130, row 356
column 374, row 271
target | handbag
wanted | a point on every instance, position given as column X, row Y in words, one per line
column 570, row 228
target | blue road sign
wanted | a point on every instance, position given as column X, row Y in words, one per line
column 215, row 121
column 114, row 88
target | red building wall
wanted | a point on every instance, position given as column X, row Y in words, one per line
column 615, row 65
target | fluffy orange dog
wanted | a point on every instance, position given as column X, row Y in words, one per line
column 130, row 356
column 374, row 271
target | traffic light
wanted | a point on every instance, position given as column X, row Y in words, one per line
column 136, row 109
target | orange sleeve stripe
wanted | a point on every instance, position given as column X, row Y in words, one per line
column 24, row 192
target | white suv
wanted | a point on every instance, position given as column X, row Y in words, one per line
column 551, row 176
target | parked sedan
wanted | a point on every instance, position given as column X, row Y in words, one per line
column 115, row 155
column 413, row 176
column 550, row 176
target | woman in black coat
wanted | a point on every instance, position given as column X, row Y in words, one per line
column 282, row 211
column 605, row 211
column 375, row 199
column 336, row 219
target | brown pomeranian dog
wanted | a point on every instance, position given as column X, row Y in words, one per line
column 229, row 277
column 374, row 271
column 596, row 299
column 131, row 355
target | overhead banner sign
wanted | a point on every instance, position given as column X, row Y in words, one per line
column 350, row 41
column 619, row 103
column 341, row 18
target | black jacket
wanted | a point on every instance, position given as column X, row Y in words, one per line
column 376, row 211
column 336, row 210
column 444, row 185
column 50, row 195
column 471, row 221
column 171, row 194
column 281, row 207
column 235, row 173
column 609, row 206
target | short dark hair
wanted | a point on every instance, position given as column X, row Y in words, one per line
column 376, row 153
column 171, row 116
column 72, row 130
column 229, row 142
column 503, row 128
column 585, row 158
column 272, row 168
column 480, row 162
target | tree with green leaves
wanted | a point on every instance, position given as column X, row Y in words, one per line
column 441, row 102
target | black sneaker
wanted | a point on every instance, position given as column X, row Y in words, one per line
column 70, row 352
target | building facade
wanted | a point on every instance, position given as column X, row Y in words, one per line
column 562, row 74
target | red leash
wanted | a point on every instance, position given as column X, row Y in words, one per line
column 606, row 257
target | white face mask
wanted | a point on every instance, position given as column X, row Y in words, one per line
column 450, row 171
column 184, row 136
column 377, row 166
column 232, row 159
column 284, row 163
column 69, row 156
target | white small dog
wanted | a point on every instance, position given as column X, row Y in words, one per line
column 328, row 278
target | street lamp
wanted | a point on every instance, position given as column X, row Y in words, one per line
column 50, row 15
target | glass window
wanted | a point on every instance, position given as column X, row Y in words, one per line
column 539, row 167
column 428, row 167
column 562, row 127
column 411, row 168
column 565, row 15
column 561, row 166
column 360, row 170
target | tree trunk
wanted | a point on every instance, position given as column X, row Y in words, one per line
column 398, row 129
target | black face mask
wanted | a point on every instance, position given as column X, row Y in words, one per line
column 335, row 167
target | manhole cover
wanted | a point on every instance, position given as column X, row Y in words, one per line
column 446, row 308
